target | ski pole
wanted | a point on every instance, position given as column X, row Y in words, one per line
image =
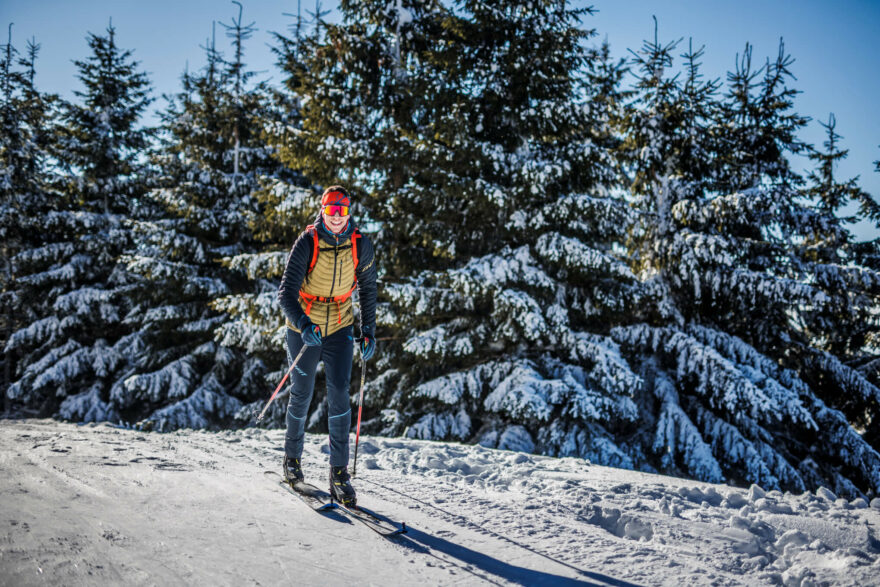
column 357, row 436
column 277, row 389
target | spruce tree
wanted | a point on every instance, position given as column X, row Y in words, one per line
column 868, row 255
column 191, row 371
column 285, row 203
column 743, row 383
column 847, row 329
column 26, row 191
column 77, row 345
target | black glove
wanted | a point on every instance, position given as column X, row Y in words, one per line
column 311, row 333
column 368, row 343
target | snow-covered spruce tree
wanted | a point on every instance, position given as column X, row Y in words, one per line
column 827, row 338
column 26, row 193
column 852, row 330
column 832, row 194
column 284, row 205
column 76, row 344
column 211, row 158
column 484, row 164
column 737, row 360
column 869, row 252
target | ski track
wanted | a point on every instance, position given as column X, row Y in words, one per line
column 94, row 504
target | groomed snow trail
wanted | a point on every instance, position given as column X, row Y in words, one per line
column 95, row 504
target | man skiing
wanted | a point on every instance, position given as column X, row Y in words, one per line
column 329, row 260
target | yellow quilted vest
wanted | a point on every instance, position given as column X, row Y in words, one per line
column 325, row 295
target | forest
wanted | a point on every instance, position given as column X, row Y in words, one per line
column 579, row 255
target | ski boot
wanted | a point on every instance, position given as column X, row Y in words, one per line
column 293, row 472
column 340, row 487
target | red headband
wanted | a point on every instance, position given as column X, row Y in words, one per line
column 335, row 198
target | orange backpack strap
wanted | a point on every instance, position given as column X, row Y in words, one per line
column 314, row 232
column 335, row 299
column 354, row 250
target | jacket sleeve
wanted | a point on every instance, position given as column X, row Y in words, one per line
column 366, row 283
column 291, row 281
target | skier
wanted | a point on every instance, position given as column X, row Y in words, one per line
column 329, row 260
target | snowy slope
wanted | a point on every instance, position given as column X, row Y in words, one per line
column 99, row 505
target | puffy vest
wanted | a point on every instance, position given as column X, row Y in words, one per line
column 325, row 295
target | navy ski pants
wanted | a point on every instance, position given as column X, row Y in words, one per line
column 336, row 351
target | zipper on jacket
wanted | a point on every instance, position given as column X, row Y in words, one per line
column 333, row 281
column 335, row 261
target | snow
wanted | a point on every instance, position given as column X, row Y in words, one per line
column 94, row 504
column 522, row 394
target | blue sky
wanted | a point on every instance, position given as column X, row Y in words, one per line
column 833, row 44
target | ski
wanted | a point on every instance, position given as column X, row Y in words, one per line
column 321, row 501
column 313, row 497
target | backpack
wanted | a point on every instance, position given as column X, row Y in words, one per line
column 355, row 235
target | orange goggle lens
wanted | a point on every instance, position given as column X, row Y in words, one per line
column 333, row 210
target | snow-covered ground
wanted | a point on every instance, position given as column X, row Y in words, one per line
column 99, row 505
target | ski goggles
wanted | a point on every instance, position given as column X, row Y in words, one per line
column 333, row 210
